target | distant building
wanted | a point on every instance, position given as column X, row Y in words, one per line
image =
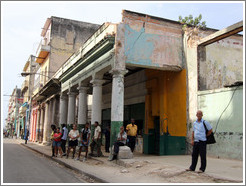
column 13, row 123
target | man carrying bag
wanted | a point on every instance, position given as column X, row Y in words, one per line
column 199, row 142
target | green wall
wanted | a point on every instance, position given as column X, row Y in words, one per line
column 226, row 103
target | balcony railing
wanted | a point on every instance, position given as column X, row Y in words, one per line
column 42, row 51
column 105, row 30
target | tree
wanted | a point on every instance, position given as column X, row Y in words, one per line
column 190, row 22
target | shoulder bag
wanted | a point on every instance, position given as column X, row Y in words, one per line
column 210, row 138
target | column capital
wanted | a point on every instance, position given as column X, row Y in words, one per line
column 70, row 93
column 63, row 95
column 97, row 82
column 83, row 89
column 118, row 72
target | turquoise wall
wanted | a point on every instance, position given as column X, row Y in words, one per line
column 229, row 132
column 153, row 50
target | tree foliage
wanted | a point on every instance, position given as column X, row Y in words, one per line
column 193, row 22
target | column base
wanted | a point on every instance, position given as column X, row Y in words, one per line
column 115, row 129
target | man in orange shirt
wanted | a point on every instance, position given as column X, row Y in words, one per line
column 131, row 129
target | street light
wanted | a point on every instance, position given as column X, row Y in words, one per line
column 24, row 74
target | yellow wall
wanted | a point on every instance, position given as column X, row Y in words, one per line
column 166, row 98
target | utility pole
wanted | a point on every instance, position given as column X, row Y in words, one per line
column 32, row 58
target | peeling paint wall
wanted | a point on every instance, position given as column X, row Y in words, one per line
column 66, row 38
column 221, row 63
column 229, row 132
column 152, row 43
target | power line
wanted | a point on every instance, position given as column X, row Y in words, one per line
column 225, row 109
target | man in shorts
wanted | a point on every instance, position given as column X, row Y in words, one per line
column 85, row 139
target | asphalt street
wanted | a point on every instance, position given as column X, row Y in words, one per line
column 21, row 165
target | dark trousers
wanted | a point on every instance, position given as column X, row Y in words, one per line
column 131, row 142
column 117, row 145
column 63, row 145
column 199, row 148
column 107, row 144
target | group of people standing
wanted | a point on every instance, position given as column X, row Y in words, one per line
column 59, row 138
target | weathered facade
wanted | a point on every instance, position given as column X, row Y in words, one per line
column 143, row 68
column 215, row 62
column 146, row 68
column 60, row 39
column 13, row 124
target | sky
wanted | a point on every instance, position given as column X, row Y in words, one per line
column 21, row 24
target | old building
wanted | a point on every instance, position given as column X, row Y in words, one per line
column 215, row 74
column 60, row 39
column 13, row 123
column 145, row 68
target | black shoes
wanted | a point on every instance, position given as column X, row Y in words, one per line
column 114, row 158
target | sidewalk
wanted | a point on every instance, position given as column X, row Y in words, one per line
column 148, row 168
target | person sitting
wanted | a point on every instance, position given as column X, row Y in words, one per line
column 121, row 141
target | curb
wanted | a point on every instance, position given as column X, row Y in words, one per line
column 98, row 180
column 119, row 162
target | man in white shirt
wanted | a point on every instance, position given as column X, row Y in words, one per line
column 96, row 140
column 121, row 141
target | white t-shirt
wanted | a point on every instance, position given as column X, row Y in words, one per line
column 124, row 136
column 97, row 130
column 73, row 134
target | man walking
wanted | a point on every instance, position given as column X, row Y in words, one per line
column 64, row 139
column 198, row 141
column 132, row 129
column 26, row 137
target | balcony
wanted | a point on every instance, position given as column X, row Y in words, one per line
column 24, row 86
column 42, row 51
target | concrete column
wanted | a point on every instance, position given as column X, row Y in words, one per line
column 38, row 125
column 50, row 115
column 117, row 103
column 53, row 112
column 41, row 125
column 82, row 107
column 71, row 108
column 46, row 124
column 96, row 114
column 63, row 108
column 31, row 126
column 34, row 125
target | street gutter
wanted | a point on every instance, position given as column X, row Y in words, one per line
column 98, row 180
